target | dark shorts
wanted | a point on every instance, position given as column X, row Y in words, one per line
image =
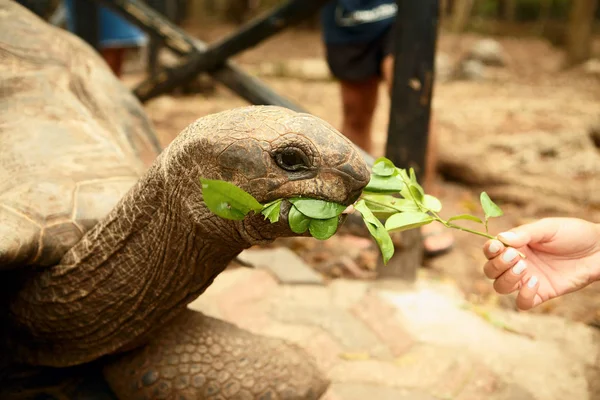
column 360, row 61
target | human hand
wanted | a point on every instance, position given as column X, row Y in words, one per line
column 562, row 256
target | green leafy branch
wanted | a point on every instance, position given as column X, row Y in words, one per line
column 392, row 195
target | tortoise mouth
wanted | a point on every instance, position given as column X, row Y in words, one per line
column 286, row 205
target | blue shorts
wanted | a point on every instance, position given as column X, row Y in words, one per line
column 115, row 31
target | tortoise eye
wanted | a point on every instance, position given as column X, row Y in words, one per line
column 292, row 159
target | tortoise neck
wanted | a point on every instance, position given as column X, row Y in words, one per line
column 128, row 275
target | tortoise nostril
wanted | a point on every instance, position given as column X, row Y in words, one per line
column 357, row 172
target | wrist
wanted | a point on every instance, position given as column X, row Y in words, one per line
column 595, row 267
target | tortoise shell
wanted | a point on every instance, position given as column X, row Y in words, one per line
column 73, row 139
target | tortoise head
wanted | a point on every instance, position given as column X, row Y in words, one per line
column 272, row 153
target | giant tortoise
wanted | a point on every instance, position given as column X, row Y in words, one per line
column 99, row 255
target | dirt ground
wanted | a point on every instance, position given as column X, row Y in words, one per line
column 531, row 94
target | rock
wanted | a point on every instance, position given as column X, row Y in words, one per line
column 310, row 69
column 487, row 51
column 444, row 68
column 595, row 134
column 283, row 263
column 529, row 169
column 592, row 67
column 471, row 70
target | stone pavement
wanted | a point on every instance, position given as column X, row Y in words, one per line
column 388, row 340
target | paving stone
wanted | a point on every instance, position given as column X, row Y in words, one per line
column 302, row 295
column 284, row 264
column 348, row 331
column 355, row 391
column 482, row 390
column 299, row 334
column 207, row 302
column 345, row 292
column 241, row 303
column 325, row 350
column 381, row 318
column 554, row 371
column 421, row 368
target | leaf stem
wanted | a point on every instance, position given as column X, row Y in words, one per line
column 447, row 224
column 382, row 204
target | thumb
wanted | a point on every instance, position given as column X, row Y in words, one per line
column 540, row 231
column 516, row 237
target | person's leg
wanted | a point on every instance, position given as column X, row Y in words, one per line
column 359, row 100
column 117, row 35
column 114, row 57
column 356, row 65
column 436, row 239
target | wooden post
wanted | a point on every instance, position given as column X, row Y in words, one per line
column 510, row 10
column 580, row 30
column 85, row 14
column 412, row 89
column 461, row 13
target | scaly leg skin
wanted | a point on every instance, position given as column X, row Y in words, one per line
column 199, row 357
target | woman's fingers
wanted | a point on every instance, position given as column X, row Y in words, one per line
column 496, row 266
column 528, row 297
column 492, row 248
column 508, row 282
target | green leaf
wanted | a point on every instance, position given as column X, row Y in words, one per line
column 467, row 217
column 384, row 184
column 432, row 203
column 380, row 211
column 407, row 220
column 298, row 222
column 384, row 167
column 271, row 211
column 323, row 229
column 382, row 206
column 403, row 174
column 413, row 176
column 318, row 209
column 417, row 194
column 377, row 230
column 489, row 207
column 227, row 200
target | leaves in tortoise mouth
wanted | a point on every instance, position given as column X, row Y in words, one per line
column 227, row 200
column 299, row 222
column 318, row 209
column 323, row 229
column 272, row 210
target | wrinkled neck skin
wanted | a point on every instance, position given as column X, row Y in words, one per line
column 134, row 271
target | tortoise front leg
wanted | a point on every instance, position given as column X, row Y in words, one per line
column 199, row 357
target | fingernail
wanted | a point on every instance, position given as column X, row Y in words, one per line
column 532, row 282
column 494, row 247
column 509, row 255
column 508, row 236
column 519, row 267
